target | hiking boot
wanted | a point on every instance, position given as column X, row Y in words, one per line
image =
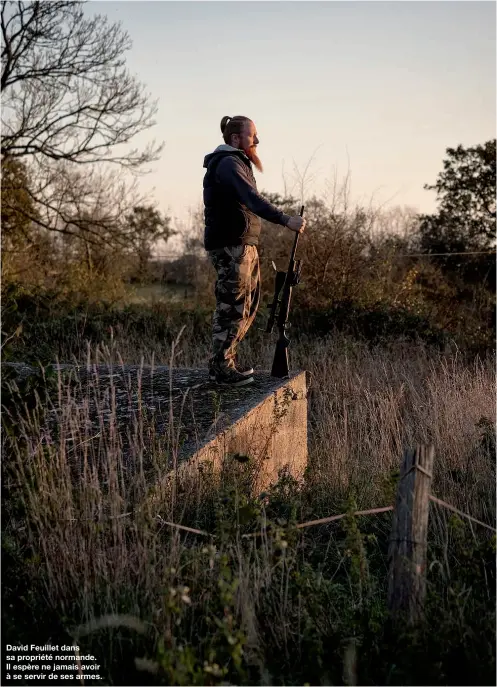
column 245, row 371
column 229, row 376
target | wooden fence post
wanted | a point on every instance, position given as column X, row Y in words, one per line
column 408, row 541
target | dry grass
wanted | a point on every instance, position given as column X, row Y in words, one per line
column 94, row 527
column 368, row 405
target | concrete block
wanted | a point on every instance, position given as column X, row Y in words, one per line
column 248, row 433
column 272, row 434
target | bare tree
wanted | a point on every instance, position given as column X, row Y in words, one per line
column 66, row 92
column 70, row 110
column 65, row 196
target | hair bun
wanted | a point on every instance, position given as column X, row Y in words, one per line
column 224, row 122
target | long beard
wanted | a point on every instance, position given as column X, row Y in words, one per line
column 254, row 158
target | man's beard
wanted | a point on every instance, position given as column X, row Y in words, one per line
column 251, row 153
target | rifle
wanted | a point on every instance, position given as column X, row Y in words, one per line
column 284, row 281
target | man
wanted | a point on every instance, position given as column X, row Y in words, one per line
column 233, row 209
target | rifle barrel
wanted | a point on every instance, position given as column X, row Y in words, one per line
column 280, row 362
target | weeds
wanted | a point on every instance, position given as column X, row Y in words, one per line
column 258, row 601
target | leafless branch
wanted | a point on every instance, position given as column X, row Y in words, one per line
column 66, row 92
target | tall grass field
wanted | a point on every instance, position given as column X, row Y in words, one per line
column 89, row 557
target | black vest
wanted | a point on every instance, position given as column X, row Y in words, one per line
column 228, row 222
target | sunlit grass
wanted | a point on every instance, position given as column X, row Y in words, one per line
column 86, row 517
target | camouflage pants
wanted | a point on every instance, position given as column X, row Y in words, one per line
column 237, row 299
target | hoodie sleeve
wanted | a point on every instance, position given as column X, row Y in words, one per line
column 232, row 173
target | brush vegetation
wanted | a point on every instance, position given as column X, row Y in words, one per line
column 87, row 555
column 395, row 328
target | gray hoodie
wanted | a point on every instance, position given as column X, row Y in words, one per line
column 233, row 205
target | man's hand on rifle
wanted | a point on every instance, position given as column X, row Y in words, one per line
column 296, row 223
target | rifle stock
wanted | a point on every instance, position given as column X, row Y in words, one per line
column 286, row 281
column 280, row 361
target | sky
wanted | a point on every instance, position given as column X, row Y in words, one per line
column 379, row 89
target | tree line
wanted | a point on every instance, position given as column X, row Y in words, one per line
column 70, row 114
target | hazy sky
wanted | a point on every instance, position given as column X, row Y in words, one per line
column 382, row 87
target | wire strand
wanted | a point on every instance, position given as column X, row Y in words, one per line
column 460, row 512
column 430, row 255
column 334, row 518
